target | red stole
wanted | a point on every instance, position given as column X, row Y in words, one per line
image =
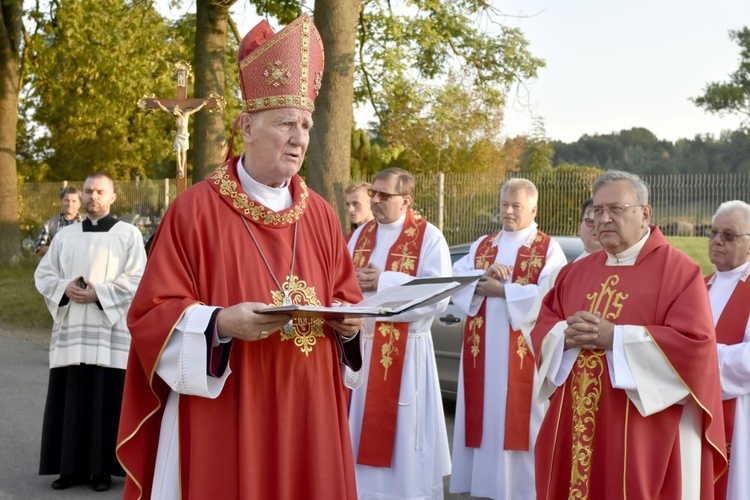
column 730, row 330
column 529, row 264
column 378, row 433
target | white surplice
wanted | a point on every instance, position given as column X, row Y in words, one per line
column 113, row 262
column 421, row 456
column 490, row 471
column 734, row 369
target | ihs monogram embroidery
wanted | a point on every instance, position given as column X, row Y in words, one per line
column 608, row 301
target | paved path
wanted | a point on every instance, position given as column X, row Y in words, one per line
column 23, row 389
column 24, row 370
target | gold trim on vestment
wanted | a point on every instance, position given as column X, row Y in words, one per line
column 585, row 391
column 256, row 211
column 305, row 331
column 698, row 402
column 158, row 406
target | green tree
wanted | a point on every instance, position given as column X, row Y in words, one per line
column 11, row 46
column 537, row 157
column 413, row 57
column 732, row 96
column 89, row 64
column 446, row 128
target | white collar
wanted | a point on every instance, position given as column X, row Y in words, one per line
column 277, row 199
column 739, row 273
column 628, row 256
column 526, row 235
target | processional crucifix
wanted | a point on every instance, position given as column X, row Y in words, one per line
column 181, row 108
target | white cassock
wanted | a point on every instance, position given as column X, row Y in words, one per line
column 637, row 366
column 734, row 369
column 490, row 471
column 421, row 456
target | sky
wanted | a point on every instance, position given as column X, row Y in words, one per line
column 613, row 65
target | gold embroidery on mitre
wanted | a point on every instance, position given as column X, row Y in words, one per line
column 255, row 211
column 305, row 331
column 277, row 74
column 586, row 391
column 608, row 301
column 388, row 349
column 474, row 340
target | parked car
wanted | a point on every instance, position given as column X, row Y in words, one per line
column 448, row 326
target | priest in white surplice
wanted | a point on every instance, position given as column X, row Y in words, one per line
column 729, row 291
column 493, row 456
column 88, row 279
column 396, row 419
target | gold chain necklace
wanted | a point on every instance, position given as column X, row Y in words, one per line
column 287, row 300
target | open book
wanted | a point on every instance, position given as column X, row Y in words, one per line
column 395, row 300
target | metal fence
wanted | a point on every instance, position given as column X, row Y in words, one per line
column 464, row 206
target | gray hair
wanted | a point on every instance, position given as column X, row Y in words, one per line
column 517, row 184
column 640, row 188
column 405, row 182
column 734, row 207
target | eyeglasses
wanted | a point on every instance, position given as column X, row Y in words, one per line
column 588, row 221
column 598, row 211
column 383, row 196
column 726, row 236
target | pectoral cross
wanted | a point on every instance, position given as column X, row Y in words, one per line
column 181, row 108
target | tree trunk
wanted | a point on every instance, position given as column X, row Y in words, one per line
column 210, row 43
column 10, row 233
column 328, row 157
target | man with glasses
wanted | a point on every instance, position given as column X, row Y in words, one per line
column 496, row 416
column 729, row 293
column 396, row 419
column 628, row 361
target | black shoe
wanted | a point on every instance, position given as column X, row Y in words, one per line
column 102, row 483
column 65, row 481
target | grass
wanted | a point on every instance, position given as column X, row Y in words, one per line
column 696, row 248
column 23, row 307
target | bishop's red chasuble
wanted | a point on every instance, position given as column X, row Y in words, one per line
column 279, row 428
column 378, row 434
column 730, row 330
column 529, row 263
column 593, row 442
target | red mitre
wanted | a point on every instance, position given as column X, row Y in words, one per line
column 282, row 70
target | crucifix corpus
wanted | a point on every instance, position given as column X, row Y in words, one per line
column 180, row 109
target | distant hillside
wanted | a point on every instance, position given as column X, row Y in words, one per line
column 639, row 151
